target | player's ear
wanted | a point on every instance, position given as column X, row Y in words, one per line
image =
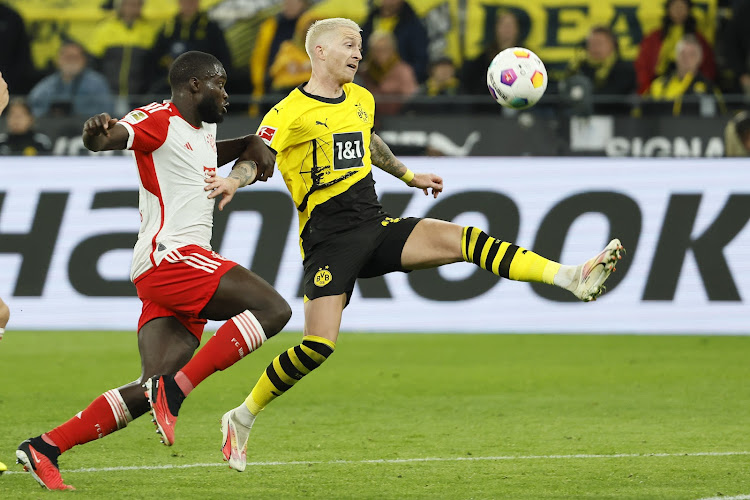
column 320, row 51
column 194, row 84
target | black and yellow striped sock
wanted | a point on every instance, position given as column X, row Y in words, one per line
column 506, row 259
column 287, row 369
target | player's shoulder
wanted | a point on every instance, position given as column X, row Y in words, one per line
column 286, row 112
column 156, row 111
column 358, row 92
column 288, row 106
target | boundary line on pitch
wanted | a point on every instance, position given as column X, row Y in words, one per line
column 738, row 497
column 411, row 460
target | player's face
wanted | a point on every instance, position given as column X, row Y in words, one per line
column 344, row 54
column 214, row 98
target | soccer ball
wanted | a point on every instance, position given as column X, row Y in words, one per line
column 517, row 78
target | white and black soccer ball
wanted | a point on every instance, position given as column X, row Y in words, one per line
column 517, row 78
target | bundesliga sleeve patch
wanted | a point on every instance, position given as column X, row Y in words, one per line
column 135, row 116
column 266, row 133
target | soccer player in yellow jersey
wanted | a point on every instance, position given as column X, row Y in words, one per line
column 325, row 150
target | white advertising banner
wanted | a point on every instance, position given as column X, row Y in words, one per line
column 67, row 226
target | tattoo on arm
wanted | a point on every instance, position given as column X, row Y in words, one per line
column 383, row 158
column 245, row 172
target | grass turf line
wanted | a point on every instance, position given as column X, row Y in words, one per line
column 401, row 396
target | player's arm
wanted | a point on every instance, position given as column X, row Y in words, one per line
column 383, row 158
column 244, row 172
column 249, row 148
column 102, row 133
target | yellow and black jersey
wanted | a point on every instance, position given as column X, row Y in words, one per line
column 322, row 150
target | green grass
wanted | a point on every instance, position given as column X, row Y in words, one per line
column 530, row 401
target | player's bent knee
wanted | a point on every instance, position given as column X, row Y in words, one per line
column 275, row 318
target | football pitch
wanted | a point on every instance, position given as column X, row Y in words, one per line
column 409, row 416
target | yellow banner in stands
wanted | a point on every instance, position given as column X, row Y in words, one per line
column 439, row 16
column 554, row 29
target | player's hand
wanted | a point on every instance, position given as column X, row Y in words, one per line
column 427, row 182
column 257, row 151
column 100, row 124
column 225, row 186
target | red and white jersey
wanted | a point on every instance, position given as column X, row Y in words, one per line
column 173, row 160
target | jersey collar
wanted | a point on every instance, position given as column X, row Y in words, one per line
column 327, row 100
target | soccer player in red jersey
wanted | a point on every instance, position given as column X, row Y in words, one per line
column 179, row 279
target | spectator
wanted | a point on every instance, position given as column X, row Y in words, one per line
column 737, row 48
column 657, row 50
column 507, row 34
column 609, row 76
column 291, row 66
column 398, row 17
column 15, row 56
column 442, row 83
column 390, row 79
column 271, row 34
column 668, row 92
column 74, row 89
column 190, row 29
column 737, row 135
column 121, row 45
column 21, row 139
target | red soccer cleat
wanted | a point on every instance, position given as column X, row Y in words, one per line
column 165, row 399
column 41, row 466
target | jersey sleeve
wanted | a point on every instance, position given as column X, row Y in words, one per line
column 147, row 128
column 277, row 130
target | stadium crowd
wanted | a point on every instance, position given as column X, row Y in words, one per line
column 119, row 58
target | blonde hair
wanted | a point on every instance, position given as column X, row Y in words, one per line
column 323, row 27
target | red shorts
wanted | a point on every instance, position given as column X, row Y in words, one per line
column 181, row 286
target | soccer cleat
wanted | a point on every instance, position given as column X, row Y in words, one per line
column 592, row 274
column 165, row 399
column 41, row 466
column 234, row 441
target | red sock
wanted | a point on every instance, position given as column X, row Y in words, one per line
column 236, row 338
column 106, row 414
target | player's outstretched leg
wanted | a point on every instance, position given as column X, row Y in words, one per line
column 585, row 281
column 165, row 345
column 254, row 312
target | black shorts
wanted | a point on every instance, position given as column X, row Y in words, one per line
column 372, row 249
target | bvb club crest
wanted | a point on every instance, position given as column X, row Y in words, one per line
column 323, row 277
column 361, row 112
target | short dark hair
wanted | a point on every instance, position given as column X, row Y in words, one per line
column 191, row 64
column 606, row 31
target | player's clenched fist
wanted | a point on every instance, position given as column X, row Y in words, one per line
column 100, row 124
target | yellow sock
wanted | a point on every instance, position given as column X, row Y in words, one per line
column 287, row 369
column 506, row 259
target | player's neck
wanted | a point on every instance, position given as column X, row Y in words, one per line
column 188, row 113
column 324, row 87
